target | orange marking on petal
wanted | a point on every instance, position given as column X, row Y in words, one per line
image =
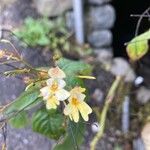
column 54, row 86
column 75, row 102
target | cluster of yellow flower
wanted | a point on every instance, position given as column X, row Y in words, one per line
column 53, row 93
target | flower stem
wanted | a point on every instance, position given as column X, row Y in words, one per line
column 102, row 118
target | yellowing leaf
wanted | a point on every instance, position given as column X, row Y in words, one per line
column 138, row 46
column 86, row 77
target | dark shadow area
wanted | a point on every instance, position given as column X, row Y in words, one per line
column 125, row 26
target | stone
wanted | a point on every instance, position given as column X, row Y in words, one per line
column 102, row 38
column 143, row 95
column 120, row 67
column 52, row 8
column 138, row 81
column 98, row 2
column 146, row 136
column 102, row 17
column 95, row 127
column 98, row 95
column 69, row 16
column 104, row 55
column 12, row 15
column 26, row 139
column 130, row 76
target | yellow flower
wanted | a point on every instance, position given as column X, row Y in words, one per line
column 53, row 93
column 77, row 105
column 56, row 73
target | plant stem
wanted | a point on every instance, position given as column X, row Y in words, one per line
column 102, row 118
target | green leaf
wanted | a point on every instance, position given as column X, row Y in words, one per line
column 73, row 81
column 138, row 47
column 74, row 137
column 48, row 123
column 24, row 101
column 20, row 120
column 34, row 31
column 72, row 69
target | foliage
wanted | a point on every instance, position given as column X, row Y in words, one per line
column 24, row 101
column 50, row 123
column 138, row 46
column 20, row 120
column 34, row 32
column 71, row 67
column 73, row 138
column 52, row 34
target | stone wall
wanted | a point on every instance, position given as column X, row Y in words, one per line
column 99, row 18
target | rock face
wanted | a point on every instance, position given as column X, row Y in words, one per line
column 104, row 55
column 12, row 13
column 26, row 139
column 100, row 38
column 4, row 3
column 120, row 67
column 101, row 17
column 52, row 8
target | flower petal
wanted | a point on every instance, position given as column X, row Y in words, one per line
column 77, row 89
column 61, row 83
column 75, row 114
column 72, row 112
column 52, row 103
column 56, row 73
column 67, row 111
column 50, row 81
column 85, row 110
column 81, row 97
column 45, row 92
column 62, row 94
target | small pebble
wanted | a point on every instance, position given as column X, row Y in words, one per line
column 95, row 127
column 98, row 95
column 25, row 141
column 139, row 80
